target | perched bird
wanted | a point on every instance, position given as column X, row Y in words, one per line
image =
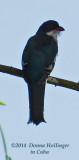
column 38, row 61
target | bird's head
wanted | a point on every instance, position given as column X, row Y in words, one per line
column 50, row 28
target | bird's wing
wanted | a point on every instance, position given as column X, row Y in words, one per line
column 25, row 54
column 37, row 50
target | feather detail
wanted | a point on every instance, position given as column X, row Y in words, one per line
column 36, row 103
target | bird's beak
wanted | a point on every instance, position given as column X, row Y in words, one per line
column 60, row 28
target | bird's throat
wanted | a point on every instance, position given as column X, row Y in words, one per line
column 53, row 34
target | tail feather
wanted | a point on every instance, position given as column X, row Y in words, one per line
column 36, row 103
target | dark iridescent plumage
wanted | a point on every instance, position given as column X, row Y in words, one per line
column 39, row 54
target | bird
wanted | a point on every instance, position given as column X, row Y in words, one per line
column 38, row 60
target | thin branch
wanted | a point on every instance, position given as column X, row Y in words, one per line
column 51, row 80
column 4, row 143
column 63, row 83
column 11, row 70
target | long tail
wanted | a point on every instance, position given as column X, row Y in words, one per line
column 36, row 103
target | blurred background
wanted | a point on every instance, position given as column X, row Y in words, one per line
column 19, row 20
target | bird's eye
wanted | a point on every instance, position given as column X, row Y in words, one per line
column 51, row 26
